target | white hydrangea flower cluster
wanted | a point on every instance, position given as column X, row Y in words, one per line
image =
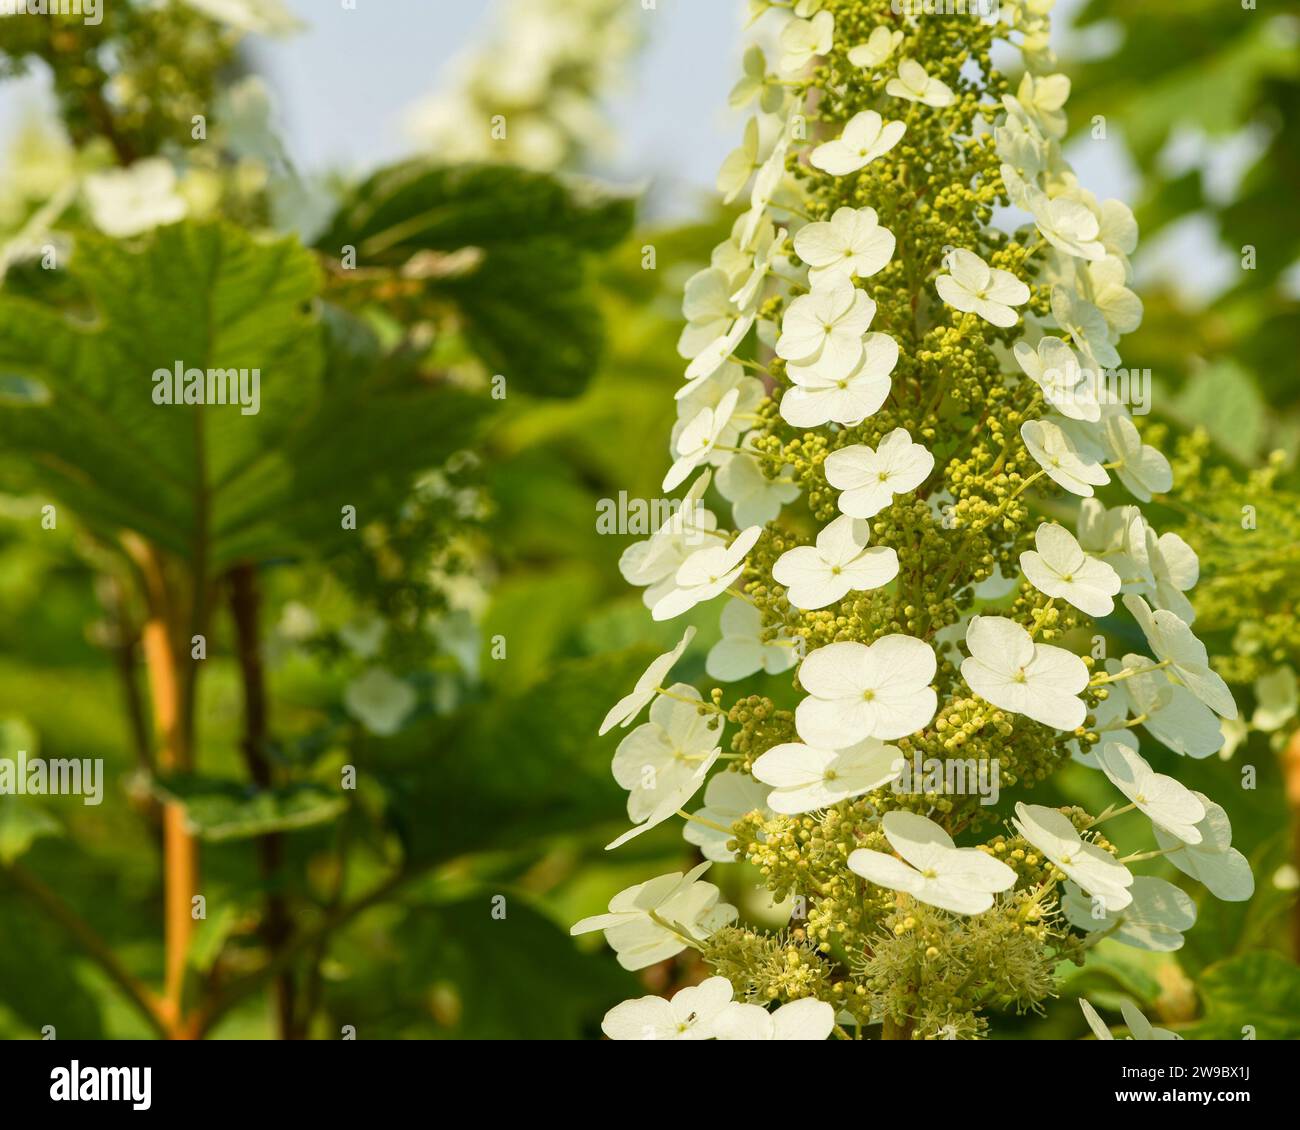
column 812, row 281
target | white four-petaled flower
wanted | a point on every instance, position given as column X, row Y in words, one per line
column 1058, row 567
column 727, row 797
column 1085, row 324
column 805, row 778
column 698, row 440
column 1140, row 467
column 816, row 399
column 870, row 477
column 1168, row 803
column 709, row 394
column 802, row 40
column 915, row 85
column 1176, row 646
column 1068, row 462
column 655, row 920
column 840, row 562
column 1155, row 919
column 1096, row 871
column 1007, row 668
column 662, row 754
column 707, row 1012
column 856, row 691
column 1043, row 98
column 880, row 44
column 653, row 562
column 742, row 650
column 755, row 499
column 1056, row 370
column 668, row 801
column 850, row 244
column 866, row 137
column 973, row 287
column 707, row 308
column 756, row 83
column 1104, row 284
column 706, row 573
column 690, row 1015
column 1068, row 226
column 935, row 871
column 1223, row 870
column 823, row 330
column 1169, row 712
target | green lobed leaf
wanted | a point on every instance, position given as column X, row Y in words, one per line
column 1223, row 398
column 426, row 206
column 1254, row 995
column 205, row 295
column 521, row 290
column 337, row 424
column 221, row 810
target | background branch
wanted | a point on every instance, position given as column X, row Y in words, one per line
column 245, row 600
column 138, row 993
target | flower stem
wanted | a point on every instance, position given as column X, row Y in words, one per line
column 691, row 701
column 703, row 821
column 1127, row 673
column 1111, row 813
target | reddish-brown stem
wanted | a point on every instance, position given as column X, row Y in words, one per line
column 276, row 927
column 125, row 656
column 202, row 1019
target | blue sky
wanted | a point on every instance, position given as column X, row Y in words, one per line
column 343, row 107
column 344, row 85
